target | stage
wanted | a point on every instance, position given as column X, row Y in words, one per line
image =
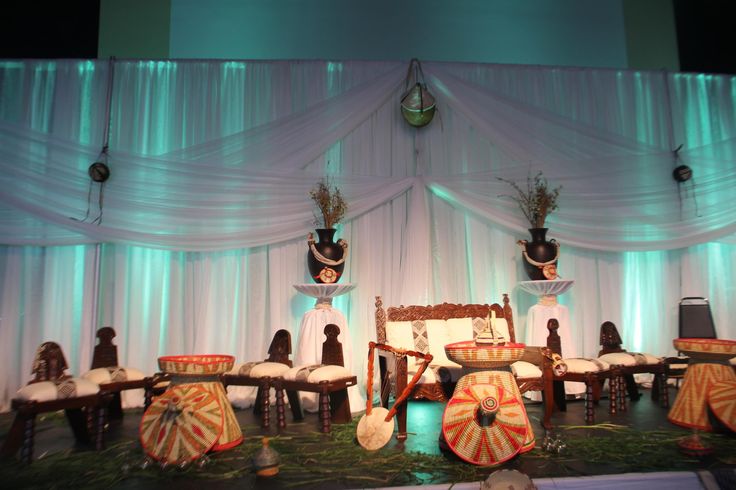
column 636, row 449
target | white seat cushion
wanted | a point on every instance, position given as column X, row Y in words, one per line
column 629, row 359
column 316, row 374
column 260, row 369
column 458, row 330
column 45, row 391
column 400, row 336
column 113, row 375
column 437, row 335
column 524, row 369
column 582, row 366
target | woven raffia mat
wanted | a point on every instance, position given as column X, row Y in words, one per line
column 484, row 445
column 181, row 425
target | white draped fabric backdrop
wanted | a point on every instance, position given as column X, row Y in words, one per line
column 205, row 214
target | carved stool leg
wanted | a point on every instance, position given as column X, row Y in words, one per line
column 664, row 394
column 621, row 393
column 29, row 433
column 324, row 411
column 280, row 410
column 263, row 390
column 612, row 395
column 99, row 431
column 589, row 411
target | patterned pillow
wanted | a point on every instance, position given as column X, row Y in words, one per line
column 629, row 359
column 115, row 374
column 260, row 369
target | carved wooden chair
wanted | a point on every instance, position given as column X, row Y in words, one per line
column 629, row 364
column 262, row 374
column 112, row 378
column 330, row 380
column 51, row 390
column 592, row 372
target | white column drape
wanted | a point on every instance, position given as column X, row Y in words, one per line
column 207, row 207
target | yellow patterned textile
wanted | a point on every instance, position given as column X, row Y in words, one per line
column 690, row 407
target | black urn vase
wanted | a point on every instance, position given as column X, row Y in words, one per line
column 540, row 255
column 326, row 259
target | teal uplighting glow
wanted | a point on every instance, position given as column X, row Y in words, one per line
column 88, row 102
column 78, row 303
column 442, row 193
column 643, row 275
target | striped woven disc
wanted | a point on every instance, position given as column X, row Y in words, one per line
column 487, row 445
column 181, row 425
column 722, row 401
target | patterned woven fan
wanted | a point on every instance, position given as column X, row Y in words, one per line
column 691, row 405
column 181, row 425
column 505, row 380
column 722, row 401
column 484, row 424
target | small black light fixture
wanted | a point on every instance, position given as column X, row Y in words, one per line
column 682, row 173
column 99, row 172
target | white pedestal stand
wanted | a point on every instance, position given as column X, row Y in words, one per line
column 538, row 315
column 311, row 337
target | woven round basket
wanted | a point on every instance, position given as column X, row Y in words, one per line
column 196, row 364
column 715, row 347
column 181, row 425
column 471, row 355
column 490, row 444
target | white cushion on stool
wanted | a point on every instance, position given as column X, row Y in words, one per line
column 319, row 373
column 45, row 391
column 524, row 369
column 629, row 359
column 103, row 375
column 260, row 369
column 582, row 366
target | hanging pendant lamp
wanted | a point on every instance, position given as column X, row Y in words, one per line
column 417, row 103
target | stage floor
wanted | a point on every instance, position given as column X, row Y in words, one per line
column 635, row 449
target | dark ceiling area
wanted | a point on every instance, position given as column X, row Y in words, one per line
column 55, row 29
column 706, row 36
column 46, row 29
